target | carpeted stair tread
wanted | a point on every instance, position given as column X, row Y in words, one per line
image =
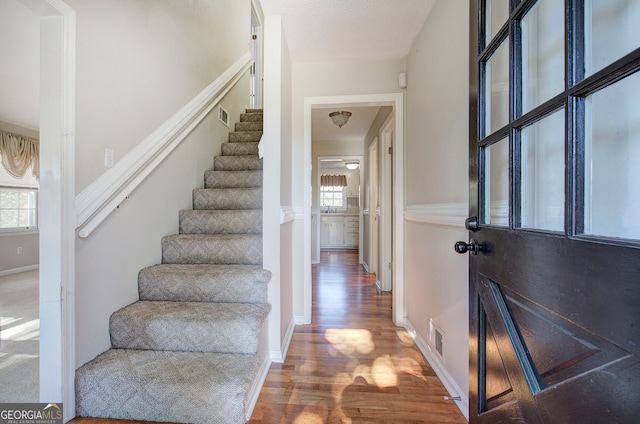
column 227, row 198
column 242, row 249
column 188, row 326
column 244, row 221
column 188, row 387
column 248, row 126
column 237, row 163
column 233, row 179
column 204, row 283
column 239, row 149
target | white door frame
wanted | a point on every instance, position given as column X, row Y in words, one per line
column 385, row 275
column 257, row 48
column 373, row 206
column 396, row 100
column 57, row 201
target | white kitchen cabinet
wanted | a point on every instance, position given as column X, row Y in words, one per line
column 339, row 231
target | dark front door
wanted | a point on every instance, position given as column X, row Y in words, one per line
column 555, row 186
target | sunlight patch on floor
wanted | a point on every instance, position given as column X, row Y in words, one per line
column 26, row 331
column 347, row 341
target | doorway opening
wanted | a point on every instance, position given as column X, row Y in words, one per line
column 395, row 244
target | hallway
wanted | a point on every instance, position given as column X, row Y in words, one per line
column 352, row 364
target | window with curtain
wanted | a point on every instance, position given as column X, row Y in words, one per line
column 333, row 191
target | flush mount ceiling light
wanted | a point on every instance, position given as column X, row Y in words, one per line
column 352, row 165
column 340, row 117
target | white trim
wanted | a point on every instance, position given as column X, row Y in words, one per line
column 287, row 214
column 439, row 214
column 256, row 387
column 280, row 356
column 57, row 224
column 441, row 371
column 18, row 270
column 299, row 213
column 103, row 196
column 298, row 319
column 365, row 266
column 396, row 100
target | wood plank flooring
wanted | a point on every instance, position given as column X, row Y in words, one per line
column 351, row 365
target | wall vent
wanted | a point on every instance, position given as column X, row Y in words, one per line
column 223, row 116
column 436, row 339
column 439, row 342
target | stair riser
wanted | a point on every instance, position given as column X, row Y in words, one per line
column 204, row 283
column 245, row 136
column 237, row 163
column 188, row 327
column 251, row 117
column 212, row 249
column 239, row 149
column 227, row 198
column 221, row 222
column 248, row 126
column 232, row 179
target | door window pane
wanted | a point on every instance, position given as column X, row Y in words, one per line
column 612, row 155
column 497, row 13
column 542, row 53
column 542, row 174
column 496, row 88
column 496, row 183
column 612, row 29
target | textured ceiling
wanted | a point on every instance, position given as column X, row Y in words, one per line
column 319, row 30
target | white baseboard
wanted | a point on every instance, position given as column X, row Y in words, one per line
column 441, row 371
column 256, row 387
column 365, row 266
column 281, row 355
column 19, row 270
column 299, row 320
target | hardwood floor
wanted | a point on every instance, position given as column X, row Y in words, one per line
column 351, row 365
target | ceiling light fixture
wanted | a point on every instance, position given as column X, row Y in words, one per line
column 352, row 165
column 340, row 117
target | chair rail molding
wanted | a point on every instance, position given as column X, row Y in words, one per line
column 96, row 202
column 439, row 214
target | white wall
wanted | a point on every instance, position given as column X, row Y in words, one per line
column 436, row 169
column 20, row 70
column 276, row 139
column 19, row 113
column 139, row 62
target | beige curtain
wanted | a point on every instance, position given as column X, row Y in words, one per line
column 19, row 153
column 329, row 180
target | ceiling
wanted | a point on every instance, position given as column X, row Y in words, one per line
column 319, row 30
column 323, row 128
column 335, row 30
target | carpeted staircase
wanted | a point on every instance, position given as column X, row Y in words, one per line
column 190, row 349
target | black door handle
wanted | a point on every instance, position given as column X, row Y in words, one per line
column 474, row 247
